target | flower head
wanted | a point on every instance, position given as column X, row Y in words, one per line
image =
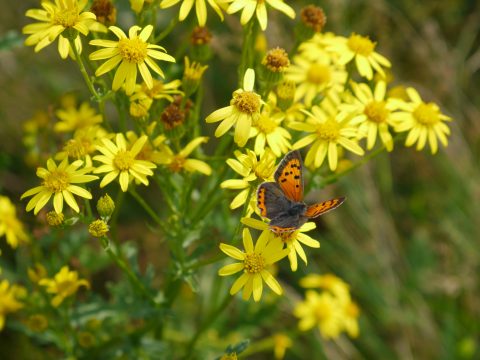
column 98, row 228
column 200, row 8
column 259, row 8
column 59, row 180
column 122, row 162
column 132, row 53
column 9, row 300
column 72, row 119
column 362, row 49
column 180, row 161
column 293, row 240
column 327, row 132
column 64, row 19
column 10, row 225
column 254, row 263
column 244, row 110
column 253, row 171
column 422, row 121
column 268, row 130
column 64, row 284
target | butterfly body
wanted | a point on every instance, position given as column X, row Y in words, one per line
column 282, row 201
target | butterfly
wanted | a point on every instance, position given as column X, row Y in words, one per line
column 282, row 201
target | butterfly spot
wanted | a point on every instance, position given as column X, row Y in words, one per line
column 297, row 186
column 297, row 177
column 283, row 180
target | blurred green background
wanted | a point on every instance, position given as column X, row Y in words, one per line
column 408, row 238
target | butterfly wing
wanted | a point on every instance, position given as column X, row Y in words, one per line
column 271, row 200
column 290, row 177
column 286, row 223
column 321, row 208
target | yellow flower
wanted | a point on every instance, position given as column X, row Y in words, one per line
column 64, row 284
column 422, row 121
column 292, row 240
column 10, row 225
column 244, row 110
column 200, row 8
column 153, row 150
column 54, row 219
column 9, row 300
column 350, row 319
column 121, row 162
column 58, row 181
column 37, row 273
column 192, row 75
column 259, row 7
column 328, row 282
column 328, row 131
column 253, row 172
column 74, row 119
column 180, row 161
column 82, row 146
column 268, row 130
column 254, row 262
column 362, row 49
column 321, row 76
column 371, row 112
column 281, row 343
column 63, row 19
column 159, row 90
column 98, row 228
column 131, row 52
column 322, row 310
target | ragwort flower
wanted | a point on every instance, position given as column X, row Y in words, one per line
column 10, row 225
column 9, row 300
column 62, row 19
column 72, row 119
column 64, row 284
column 268, row 130
column 293, row 240
column 259, row 8
column 180, row 161
column 59, row 181
column 362, row 49
column 244, row 110
column 422, row 121
column 130, row 52
column 200, row 8
column 327, row 132
column 254, row 262
column 119, row 161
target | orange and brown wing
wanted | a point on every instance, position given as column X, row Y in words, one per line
column 289, row 175
column 321, row 208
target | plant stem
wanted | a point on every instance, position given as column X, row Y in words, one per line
column 83, row 70
column 145, row 206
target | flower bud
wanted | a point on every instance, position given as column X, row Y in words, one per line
column 105, row 206
column 98, row 228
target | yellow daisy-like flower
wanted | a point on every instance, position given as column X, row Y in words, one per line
column 281, row 342
column 253, row 172
column 159, row 90
column 244, row 110
column 61, row 19
column 328, row 132
column 321, row 76
column 422, row 120
column 268, row 130
column 200, row 9
column 323, row 310
column 137, row 5
column 292, row 240
column 254, row 262
column 9, row 300
column 153, row 150
column 328, row 282
column 362, row 49
column 180, row 161
column 372, row 113
column 59, row 181
column 259, row 8
column 122, row 162
column 10, row 225
column 72, row 119
column 64, row 284
column 130, row 52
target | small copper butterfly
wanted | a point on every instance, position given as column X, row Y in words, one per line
column 282, row 201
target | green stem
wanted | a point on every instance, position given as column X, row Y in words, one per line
column 145, row 206
column 206, row 325
column 247, row 49
column 83, row 70
column 167, row 30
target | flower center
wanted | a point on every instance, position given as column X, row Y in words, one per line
column 66, row 17
column 361, row 45
column 254, row 263
column 329, row 130
column 133, row 50
column 76, row 149
column 426, row 114
column 65, row 286
column 57, row 181
column 376, row 111
column 322, row 312
column 247, row 102
column 177, row 163
column 266, row 125
column 319, row 74
column 123, row 160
